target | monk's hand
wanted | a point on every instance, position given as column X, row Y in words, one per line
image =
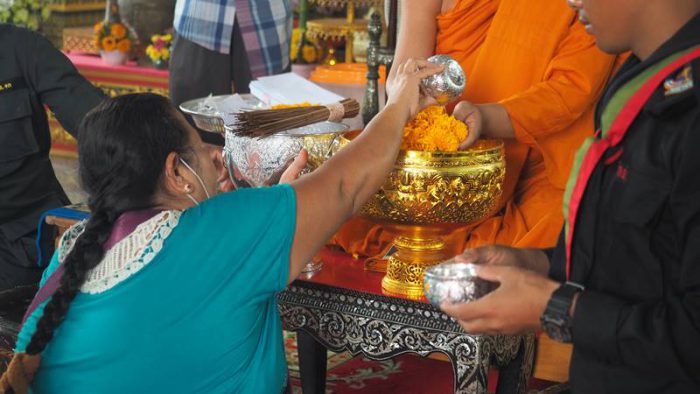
column 514, row 307
column 530, row 259
column 471, row 115
column 405, row 90
column 294, row 170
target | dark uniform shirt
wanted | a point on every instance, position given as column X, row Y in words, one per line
column 32, row 74
column 636, row 247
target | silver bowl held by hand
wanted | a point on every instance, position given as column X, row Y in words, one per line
column 455, row 283
column 447, row 85
column 256, row 162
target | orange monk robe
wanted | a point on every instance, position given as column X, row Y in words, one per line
column 535, row 59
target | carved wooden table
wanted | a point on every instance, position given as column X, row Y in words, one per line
column 342, row 308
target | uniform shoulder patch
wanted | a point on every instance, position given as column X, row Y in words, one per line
column 680, row 82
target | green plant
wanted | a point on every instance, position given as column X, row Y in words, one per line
column 27, row 13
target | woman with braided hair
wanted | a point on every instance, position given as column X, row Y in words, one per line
column 165, row 290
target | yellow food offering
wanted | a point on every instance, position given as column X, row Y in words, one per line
column 434, row 130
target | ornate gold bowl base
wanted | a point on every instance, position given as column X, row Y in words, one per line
column 427, row 195
column 416, row 250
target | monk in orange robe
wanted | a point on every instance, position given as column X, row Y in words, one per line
column 533, row 77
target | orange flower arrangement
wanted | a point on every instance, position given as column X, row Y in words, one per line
column 109, row 43
column 124, row 46
column 112, row 36
column 118, row 30
column 434, row 130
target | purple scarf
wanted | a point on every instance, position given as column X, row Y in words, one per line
column 125, row 225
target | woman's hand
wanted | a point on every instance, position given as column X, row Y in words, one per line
column 294, row 170
column 471, row 115
column 223, row 180
column 405, row 90
column 530, row 259
column 514, row 307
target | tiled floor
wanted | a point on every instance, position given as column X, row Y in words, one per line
column 67, row 173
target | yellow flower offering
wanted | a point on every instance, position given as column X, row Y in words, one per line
column 304, row 104
column 434, row 130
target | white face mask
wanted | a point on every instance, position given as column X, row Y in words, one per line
column 194, row 200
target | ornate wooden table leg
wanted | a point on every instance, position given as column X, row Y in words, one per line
column 513, row 377
column 312, row 364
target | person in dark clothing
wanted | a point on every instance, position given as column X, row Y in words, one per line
column 33, row 74
column 629, row 255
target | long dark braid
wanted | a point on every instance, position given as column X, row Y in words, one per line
column 123, row 145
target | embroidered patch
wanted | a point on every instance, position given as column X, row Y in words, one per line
column 8, row 85
column 682, row 82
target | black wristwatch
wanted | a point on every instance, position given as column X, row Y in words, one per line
column 555, row 320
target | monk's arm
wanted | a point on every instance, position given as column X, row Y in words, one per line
column 416, row 38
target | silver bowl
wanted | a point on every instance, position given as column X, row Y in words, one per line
column 205, row 115
column 454, row 283
column 447, row 85
column 256, row 162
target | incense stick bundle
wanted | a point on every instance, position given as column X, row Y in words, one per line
column 265, row 122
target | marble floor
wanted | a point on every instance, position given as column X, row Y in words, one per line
column 66, row 169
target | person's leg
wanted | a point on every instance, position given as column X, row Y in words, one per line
column 240, row 66
column 197, row 72
column 18, row 261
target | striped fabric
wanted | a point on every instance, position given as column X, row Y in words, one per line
column 266, row 27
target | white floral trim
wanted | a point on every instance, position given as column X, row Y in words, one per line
column 65, row 245
column 126, row 257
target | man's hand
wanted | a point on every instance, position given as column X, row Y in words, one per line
column 514, row 307
column 531, row 259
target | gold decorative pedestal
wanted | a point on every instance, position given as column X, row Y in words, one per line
column 404, row 272
column 426, row 196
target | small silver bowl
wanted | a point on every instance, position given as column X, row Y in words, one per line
column 447, row 85
column 454, row 283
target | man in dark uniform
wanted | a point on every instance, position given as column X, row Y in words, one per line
column 32, row 74
column 630, row 253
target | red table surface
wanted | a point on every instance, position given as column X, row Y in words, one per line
column 92, row 61
column 342, row 270
column 93, row 66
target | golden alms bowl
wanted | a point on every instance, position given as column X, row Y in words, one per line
column 441, row 188
column 425, row 197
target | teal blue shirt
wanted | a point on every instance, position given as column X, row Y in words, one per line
column 200, row 317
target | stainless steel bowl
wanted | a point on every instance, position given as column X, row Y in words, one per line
column 447, row 85
column 454, row 283
column 205, row 115
column 256, row 162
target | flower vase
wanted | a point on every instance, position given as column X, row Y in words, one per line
column 114, row 58
column 161, row 64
